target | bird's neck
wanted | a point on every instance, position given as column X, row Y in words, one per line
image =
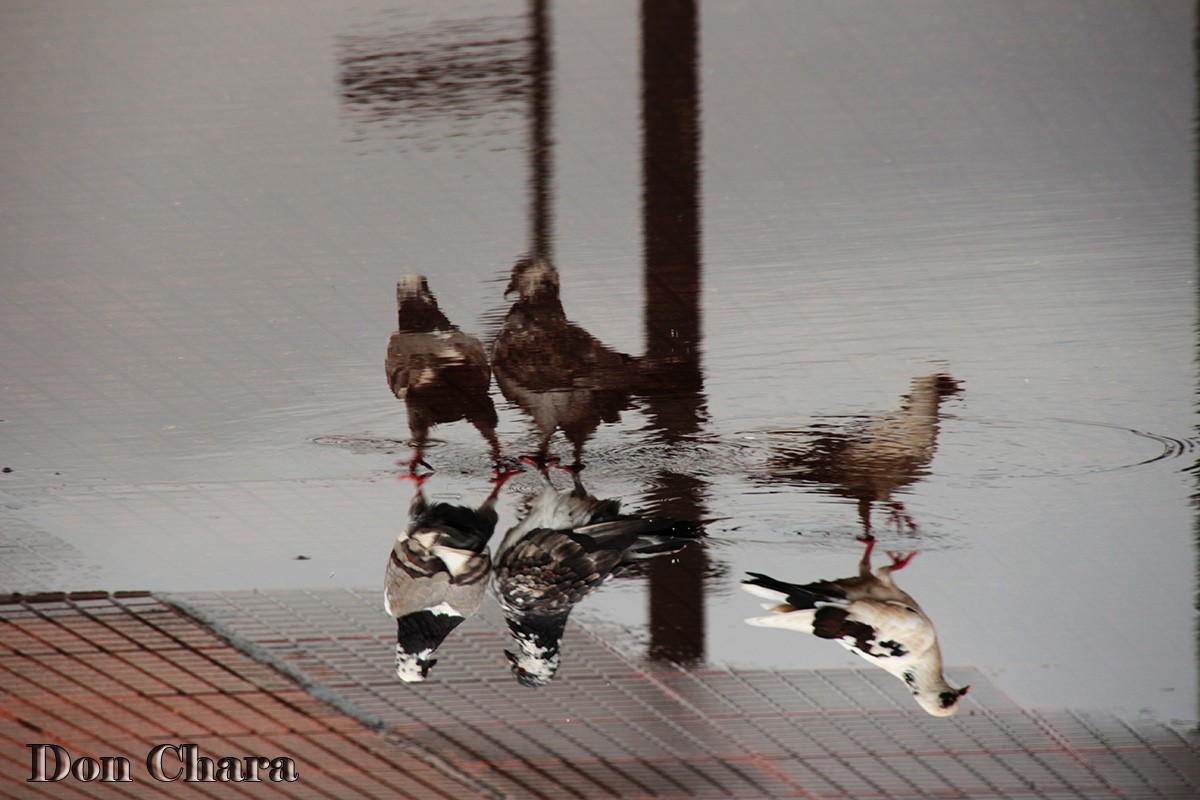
column 924, row 399
column 925, row 677
column 424, row 630
column 418, row 316
column 538, row 634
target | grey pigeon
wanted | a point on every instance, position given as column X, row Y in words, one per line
column 436, row 575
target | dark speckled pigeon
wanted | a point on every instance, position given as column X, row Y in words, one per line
column 552, row 369
column 563, row 550
column 441, row 373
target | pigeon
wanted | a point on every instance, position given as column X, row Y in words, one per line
column 563, row 550
column 870, row 461
column 436, row 575
column 440, row 373
column 552, row 369
column 868, row 615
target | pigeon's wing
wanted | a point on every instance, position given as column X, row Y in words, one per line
column 638, row 538
column 878, row 630
column 425, row 570
column 559, row 511
column 549, row 571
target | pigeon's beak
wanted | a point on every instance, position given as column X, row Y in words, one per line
column 963, row 690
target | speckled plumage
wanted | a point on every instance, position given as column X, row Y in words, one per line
column 564, row 549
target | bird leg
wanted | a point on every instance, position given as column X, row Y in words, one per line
column 864, row 565
column 900, row 560
column 501, row 476
column 544, row 462
column 901, row 518
column 417, row 460
column 864, row 516
column 489, row 435
column 577, row 482
column 419, row 478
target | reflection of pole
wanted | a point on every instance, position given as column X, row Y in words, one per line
column 675, row 386
column 540, row 149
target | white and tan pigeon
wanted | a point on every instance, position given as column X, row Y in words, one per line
column 870, row 616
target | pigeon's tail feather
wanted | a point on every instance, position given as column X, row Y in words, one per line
column 795, row 620
column 795, row 595
column 762, row 586
column 791, row 594
column 655, row 545
column 640, row 538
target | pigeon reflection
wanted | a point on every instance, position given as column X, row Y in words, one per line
column 440, row 373
column 871, row 460
column 870, row 616
column 554, row 370
column 567, row 545
column 436, row 574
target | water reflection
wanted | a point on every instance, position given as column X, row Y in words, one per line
column 440, row 373
column 869, row 616
column 871, row 459
column 556, row 372
column 564, row 548
column 436, row 574
column 469, row 76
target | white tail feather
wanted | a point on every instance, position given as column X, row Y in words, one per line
column 796, row 621
column 762, row 591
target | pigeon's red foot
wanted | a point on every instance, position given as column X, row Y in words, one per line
column 414, row 472
column 545, row 462
column 502, row 474
column 900, row 560
column 541, row 461
column 419, row 478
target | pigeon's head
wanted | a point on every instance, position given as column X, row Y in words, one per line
column 417, row 307
column 533, row 669
column 943, row 703
column 414, row 290
column 945, row 384
column 533, row 277
column 413, row 667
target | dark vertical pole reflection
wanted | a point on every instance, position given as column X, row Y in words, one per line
column 675, row 386
column 540, row 150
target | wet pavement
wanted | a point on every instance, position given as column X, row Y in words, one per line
column 799, row 273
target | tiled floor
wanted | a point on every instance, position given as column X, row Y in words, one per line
column 118, row 675
column 104, row 674
column 609, row 726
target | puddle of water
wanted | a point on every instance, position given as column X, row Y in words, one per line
column 801, row 210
